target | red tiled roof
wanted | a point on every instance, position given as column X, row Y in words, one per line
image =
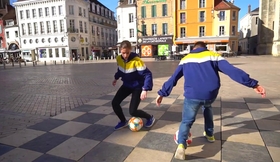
column 224, row 5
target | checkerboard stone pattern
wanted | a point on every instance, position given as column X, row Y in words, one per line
column 246, row 130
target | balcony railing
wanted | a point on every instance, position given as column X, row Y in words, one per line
column 73, row 30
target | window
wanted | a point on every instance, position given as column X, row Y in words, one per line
column 201, row 16
column 233, row 46
column 164, row 28
column 42, row 27
column 143, row 12
column 61, row 23
column 154, row 29
column 144, row 30
column 50, row 53
column 48, row 26
column 63, row 52
column 182, row 17
column 234, row 15
column 182, row 32
column 154, row 11
column 131, row 33
column 222, row 16
column 16, row 34
column 53, row 11
column 60, row 10
column 36, row 28
column 72, row 25
column 81, row 26
column 182, row 4
column 131, row 19
column 233, row 30
column 7, row 34
column 29, row 28
column 119, row 19
column 80, row 11
column 130, row 1
column 55, row 29
column 84, row 11
column 27, row 14
column 47, row 11
column 85, row 26
column 71, row 10
column 164, row 10
column 23, row 29
column 40, row 12
column 201, row 31
column 257, row 20
column 34, row 13
column 201, row 3
column 221, row 30
column 21, row 14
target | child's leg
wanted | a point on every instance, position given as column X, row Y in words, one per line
column 121, row 94
column 133, row 108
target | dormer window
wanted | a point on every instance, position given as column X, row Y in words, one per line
column 130, row 1
column 10, row 22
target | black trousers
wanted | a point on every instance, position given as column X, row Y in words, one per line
column 121, row 94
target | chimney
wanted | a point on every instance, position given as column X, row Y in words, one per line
column 249, row 9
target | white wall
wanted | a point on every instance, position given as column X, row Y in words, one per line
column 12, row 34
column 245, row 24
column 124, row 25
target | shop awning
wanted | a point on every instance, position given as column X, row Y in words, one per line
column 203, row 39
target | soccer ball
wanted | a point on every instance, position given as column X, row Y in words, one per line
column 135, row 124
column 188, row 141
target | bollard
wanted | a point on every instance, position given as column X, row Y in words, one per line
column 54, row 62
column 24, row 63
column 33, row 64
column 78, row 60
column 19, row 64
column 63, row 61
column 13, row 64
column 4, row 64
column 60, row 61
column 45, row 63
column 84, row 60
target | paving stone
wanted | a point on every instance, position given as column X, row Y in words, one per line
column 21, row 137
column 235, row 105
column 272, row 125
column 153, row 106
column 117, row 153
column 274, row 153
column 239, row 122
column 47, row 124
column 98, row 102
column 262, row 107
column 103, row 110
column 271, row 138
column 74, row 148
column 258, row 100
column 147, row 155
column 18, row 155
column 126, row 137
column 89, row 118
column 266, row 115
column 158, row 141
column 5, row 148
column 85, row 108
column 172, row 116
column 51, row 158
column 69, row 115
column 232, row 152
column 70, row 128
column 45, row 142
column 96, row 132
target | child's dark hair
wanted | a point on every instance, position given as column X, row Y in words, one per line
column 125, row 44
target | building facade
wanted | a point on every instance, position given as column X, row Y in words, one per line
column 103, row 25
column 248, row 33
column 269, row 34
column 127, row 23
column 213, row 21
column 155, row 24
column 64, row 29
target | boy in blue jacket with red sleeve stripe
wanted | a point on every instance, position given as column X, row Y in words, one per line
column 137, row 80
column 201, row 70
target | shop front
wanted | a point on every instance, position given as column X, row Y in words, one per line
column 218, row 44
column 154, row 46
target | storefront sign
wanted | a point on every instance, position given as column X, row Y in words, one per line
column 156, row 40
column 153, row 1
column 163, row 50
column 146, row 51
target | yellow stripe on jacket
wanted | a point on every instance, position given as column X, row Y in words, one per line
column 201, row 57
column 135, row 64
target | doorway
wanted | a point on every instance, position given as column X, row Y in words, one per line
column 74, row 55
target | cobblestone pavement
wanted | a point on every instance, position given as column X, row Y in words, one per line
column 247, row 128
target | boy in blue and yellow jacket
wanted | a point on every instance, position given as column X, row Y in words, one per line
column 201, row 70
column 137, row 80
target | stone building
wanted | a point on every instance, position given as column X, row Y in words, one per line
column 268, row 38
